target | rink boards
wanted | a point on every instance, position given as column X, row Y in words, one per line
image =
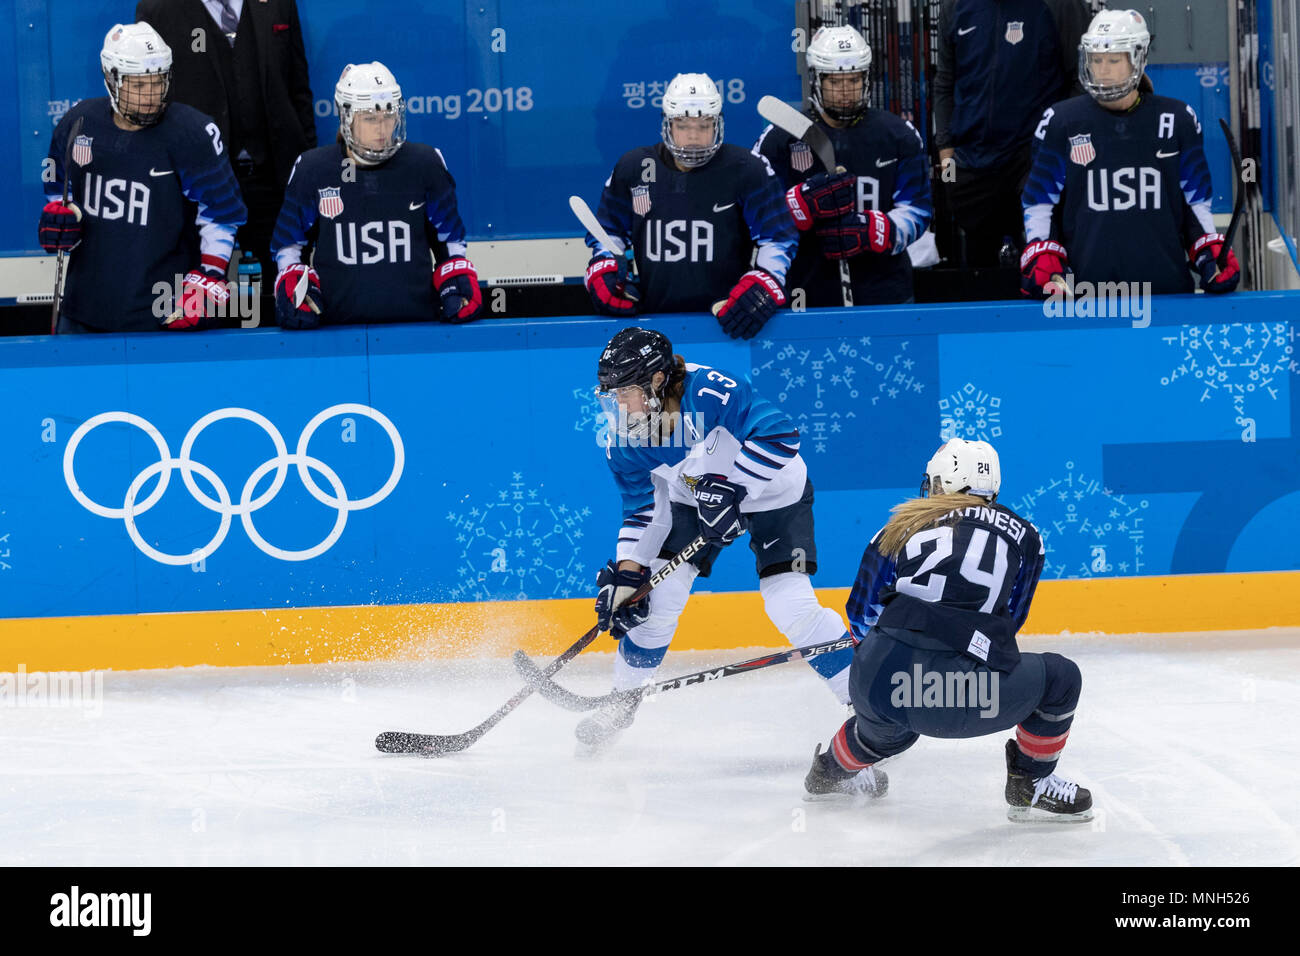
column 456, row 498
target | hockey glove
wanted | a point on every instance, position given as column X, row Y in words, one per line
column 291, row 311
column 718, row 502
column 821, row 197
column 616, row 587
column 457, row 285
column 60, row 229
column 753, row 300
column 856, row 233
column 205, row 293
column 612, row 290
column 1039, row 264
column 1203, row 254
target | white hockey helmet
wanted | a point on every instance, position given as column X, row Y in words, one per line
column 136, row 49
column 963, row 466
column 840, row 50
column 1114, row 31
column 370, row 88
column 690, row 95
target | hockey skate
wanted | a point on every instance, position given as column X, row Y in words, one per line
column 597, row 732
column 827, row 780
column 1044, row 799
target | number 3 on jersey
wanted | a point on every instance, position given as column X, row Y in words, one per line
column 933, row 590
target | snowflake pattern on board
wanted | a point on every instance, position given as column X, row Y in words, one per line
column 520, row 546
column 814, row 384
column 1241, row 364
column 1088, row 531
column 970, row 413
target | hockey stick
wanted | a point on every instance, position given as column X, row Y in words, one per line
column 1239, row 204
column 593, row 226
column 435, row 745
column 787, row 118
column 67, row 183
column 571, row 701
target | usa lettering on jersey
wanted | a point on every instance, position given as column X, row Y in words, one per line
column 679, row 240
column 115, row 199
column 379, row 242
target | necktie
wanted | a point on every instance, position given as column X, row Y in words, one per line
column 229, row 22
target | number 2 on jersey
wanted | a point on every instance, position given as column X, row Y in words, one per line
column 932, row 590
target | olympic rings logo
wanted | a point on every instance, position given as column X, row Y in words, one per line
column 222, row 504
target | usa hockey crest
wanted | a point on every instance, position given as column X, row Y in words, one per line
column 330, row 204
column 641, row 200
column 1015, row 31
column 81, row 154
column 800, row 156
column 1081, row 150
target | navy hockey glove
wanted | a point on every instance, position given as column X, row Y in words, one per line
column 457, row 285
column 60, row 229
column 291, row 311
column 753, row 300
column 824, row 196
column 612, row 290
column 1040, row 265
column 1203, row 254
column 718, row 501
column 205, row 294
column 615, row 587
column 856, row 233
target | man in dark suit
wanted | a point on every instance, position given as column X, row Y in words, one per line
column 247, row 69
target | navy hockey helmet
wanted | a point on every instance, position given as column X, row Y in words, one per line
column 632, row 357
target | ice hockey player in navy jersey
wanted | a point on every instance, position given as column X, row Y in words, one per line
column 693, row 209
column 942, row 591
column 152, row 201
column 695, row 450
column 377, row 211
column 868, row 215
column 1119, row 190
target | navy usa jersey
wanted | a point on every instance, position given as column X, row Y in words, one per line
column 1126, row 193
column 694, row 232
column 375, row 231
column 155, row 202
column 886, row 154
column 966, row 582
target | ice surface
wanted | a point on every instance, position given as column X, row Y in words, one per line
column 1189, row 744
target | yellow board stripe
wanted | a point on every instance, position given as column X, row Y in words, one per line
column 1199, row 602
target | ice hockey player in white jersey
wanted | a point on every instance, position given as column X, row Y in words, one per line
column 695, row 450
column 1119, row 189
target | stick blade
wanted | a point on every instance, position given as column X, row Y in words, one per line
column 423, row 745
column 549, row 690
column 786, row 117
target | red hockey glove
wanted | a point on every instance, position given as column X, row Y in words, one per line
column 289, row 312
column 824, row 196
column 612, row 290
column 457, row 285
column 1039, row 262
column 751, row 302
column 205, row 293
column 1203, row 256
column 856, row 233
column 60, row 229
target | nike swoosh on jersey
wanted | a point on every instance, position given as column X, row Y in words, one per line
column 712, row 445
column 1160, row 155
column 159, row 172
column 880, row 165
column 416, row 205
column 962, row 33
column 717, row 208
column 770, row 543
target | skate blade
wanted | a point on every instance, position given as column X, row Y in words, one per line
column 1038, row 815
